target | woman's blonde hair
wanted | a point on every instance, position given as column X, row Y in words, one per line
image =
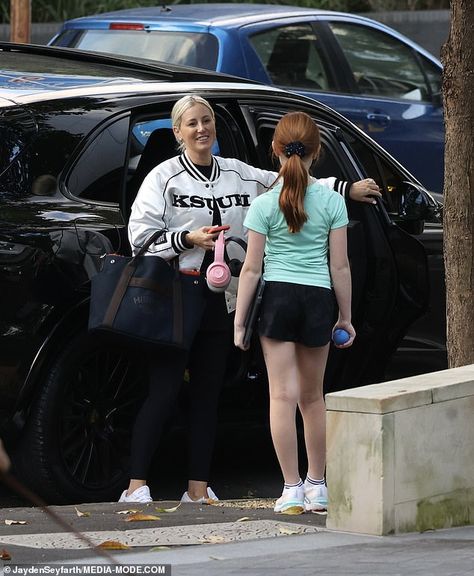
column 296, row 137
column 180, row 108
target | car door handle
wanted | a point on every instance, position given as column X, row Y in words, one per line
column 379, row 118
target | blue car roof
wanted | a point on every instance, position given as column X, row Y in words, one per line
column 230, row 15
column 224, row 16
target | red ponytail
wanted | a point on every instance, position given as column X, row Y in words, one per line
column 296, row 137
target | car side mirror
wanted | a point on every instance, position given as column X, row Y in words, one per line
column 416, row 205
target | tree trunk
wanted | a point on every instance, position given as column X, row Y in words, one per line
column 458, row 90
column 20, row 21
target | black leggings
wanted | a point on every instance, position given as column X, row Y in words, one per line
column 206, row 363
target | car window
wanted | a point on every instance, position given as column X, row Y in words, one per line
column 98, row 173
column 189, row 48
column 330, row 163
column 381, row 65
column 152, row 141
column 291, row 56
column 389, row 179
column 433, row 73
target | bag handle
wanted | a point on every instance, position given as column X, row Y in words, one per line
column 125, row 278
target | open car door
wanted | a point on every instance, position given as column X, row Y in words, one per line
column 389, row 266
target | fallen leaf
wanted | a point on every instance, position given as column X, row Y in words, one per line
column 127, row 512
column 293, row 510
column 141, row 518
column 4, row 555
column 243, row 519
column 10, row 522
column 210, row 501
column 168, row 509
column 79, row 513
column 288, row 531
column 213, row 539
column 159, row 548
column 113, row 545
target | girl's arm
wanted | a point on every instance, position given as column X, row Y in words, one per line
column 248, row 280
column 341, row 279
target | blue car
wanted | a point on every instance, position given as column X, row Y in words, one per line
column 385, row 83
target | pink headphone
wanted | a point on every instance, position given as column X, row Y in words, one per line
column 218, row 274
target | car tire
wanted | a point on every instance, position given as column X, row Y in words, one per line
column 76, row 441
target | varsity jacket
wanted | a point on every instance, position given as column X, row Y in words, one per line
column 176, row 197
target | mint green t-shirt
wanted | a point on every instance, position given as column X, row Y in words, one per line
column 302, row 257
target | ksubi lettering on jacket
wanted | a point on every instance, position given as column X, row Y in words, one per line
column 186, row 201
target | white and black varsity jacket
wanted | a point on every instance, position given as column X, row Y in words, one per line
column 176, row 197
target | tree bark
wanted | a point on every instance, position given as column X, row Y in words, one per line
column 458, row 90
column 20, row 21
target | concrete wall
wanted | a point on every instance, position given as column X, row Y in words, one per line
column 429, row 28
column 400, row 455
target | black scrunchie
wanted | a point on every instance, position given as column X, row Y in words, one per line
column 295, row 148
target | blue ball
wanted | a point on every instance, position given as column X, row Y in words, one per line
column 340, row 336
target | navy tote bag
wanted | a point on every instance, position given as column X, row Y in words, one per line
column 146, row 299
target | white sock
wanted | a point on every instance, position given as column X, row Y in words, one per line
column 314, row 482
column 289, row 486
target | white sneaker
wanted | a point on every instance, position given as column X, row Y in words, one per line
column 210, row 496
column 315, row 497
column 290, row 498
column 141, row 495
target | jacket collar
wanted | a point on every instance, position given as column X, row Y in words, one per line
column 195, row 173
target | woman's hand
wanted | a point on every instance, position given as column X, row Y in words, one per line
column 202, row 237
column 364, row 191
column 347, row 326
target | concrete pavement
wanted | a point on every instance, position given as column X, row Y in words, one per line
column 232, row 537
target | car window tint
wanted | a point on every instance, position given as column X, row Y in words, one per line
column 152, row 141
column 381, row 65
column 433, row 73
column 98, row 173
column 192, row 49
column 389, row 180
column 290, row 54
column 327, row 164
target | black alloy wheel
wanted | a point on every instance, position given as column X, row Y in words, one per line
column 77, row 438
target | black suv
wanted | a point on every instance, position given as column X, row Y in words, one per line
column 78, row 134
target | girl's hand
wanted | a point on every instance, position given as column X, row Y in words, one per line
column 239, row 332
column 347, row 326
